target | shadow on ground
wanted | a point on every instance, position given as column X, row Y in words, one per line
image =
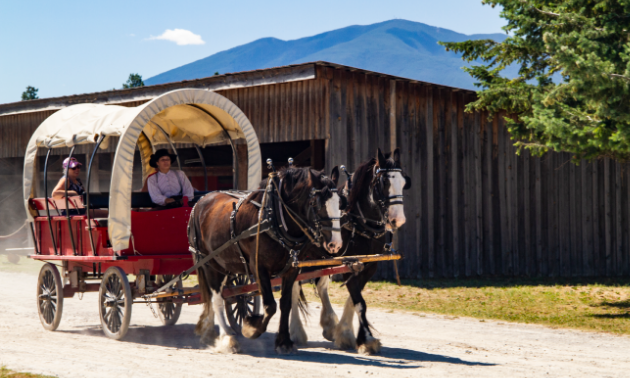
column 182, row 337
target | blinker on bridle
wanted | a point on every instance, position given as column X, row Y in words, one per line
column 387, row 201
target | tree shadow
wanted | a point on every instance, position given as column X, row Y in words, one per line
column 181, row 336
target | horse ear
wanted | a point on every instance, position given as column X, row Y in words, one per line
column 380, row 158
column 397, row 156
column 334, row 175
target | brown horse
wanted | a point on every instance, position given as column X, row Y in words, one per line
column 303, row 208
column 374, row 205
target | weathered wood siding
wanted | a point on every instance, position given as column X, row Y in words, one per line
column 475, row 207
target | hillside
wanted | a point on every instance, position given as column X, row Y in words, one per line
column 397, row 47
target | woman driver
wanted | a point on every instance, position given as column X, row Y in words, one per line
column 166, row 183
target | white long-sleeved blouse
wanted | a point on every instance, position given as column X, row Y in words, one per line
column 164, row 185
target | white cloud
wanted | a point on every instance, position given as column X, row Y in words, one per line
column 181, row 36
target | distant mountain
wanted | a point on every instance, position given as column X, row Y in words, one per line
column 396, row 47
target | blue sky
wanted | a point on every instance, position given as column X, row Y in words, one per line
column 75, row 47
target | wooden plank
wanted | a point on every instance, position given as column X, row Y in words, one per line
column 618, row 221
column 454, row 174
column 430, row 183
column 478, row 187
column 441, row 174
column 608, row 218
column 538, row 203
column 572, row 219
column 597, row 219
column 587, row 216
column 527, row 267
column 488, row 196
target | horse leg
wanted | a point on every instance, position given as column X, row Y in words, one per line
column 296, row 329
column 366, row 342
column 254, row 326
column 344, row 334
column 328, row 319
column 228, row 343
column 284, row 344
column 205, row 325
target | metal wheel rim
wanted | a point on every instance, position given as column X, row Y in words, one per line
column 168, row 311
column 113, row 303
column 47, row 297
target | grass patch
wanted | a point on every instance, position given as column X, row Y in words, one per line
column 602, row 305
column 6, row 373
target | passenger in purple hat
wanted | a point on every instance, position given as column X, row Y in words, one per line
column 75, row 187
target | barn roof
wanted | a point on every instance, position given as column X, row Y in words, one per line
column 284, row 74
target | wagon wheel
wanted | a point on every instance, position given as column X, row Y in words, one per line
column 49, row 297
column 236, row 308
column 168, row 311
column 115, row 301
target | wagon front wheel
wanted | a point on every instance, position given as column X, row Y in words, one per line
column 168, row 311
column 115, row 300
column 49, row 297
column 240, row 306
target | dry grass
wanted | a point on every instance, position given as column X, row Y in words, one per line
column 602, row 305
column 6, row 373
column 588, row 304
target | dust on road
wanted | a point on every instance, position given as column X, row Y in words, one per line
column 414, row 345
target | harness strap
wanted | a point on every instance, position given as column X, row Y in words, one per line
column 264, row 226
column 236, row 207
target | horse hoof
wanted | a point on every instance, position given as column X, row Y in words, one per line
column 209, row 338
column 344, row 338
column 251, row 327
column 298, row 336
column 229, row 345
column 329, row 334
column 286, row 349
column 371, row 346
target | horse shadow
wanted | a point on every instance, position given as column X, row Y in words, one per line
column 181, row 336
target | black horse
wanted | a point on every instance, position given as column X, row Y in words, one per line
column 375, row 207
column 303, row 209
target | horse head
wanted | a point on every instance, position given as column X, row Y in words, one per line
column 388, row 183
column 314, row 195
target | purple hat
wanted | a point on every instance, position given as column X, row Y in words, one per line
column 73, row 163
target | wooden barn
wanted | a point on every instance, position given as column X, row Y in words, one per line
column 475, row 207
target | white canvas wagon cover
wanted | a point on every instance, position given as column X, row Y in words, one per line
column 186, row 115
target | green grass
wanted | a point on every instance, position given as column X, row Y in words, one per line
column 6, row 373
column 602, row 305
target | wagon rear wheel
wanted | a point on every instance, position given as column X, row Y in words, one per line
column 237, row 308
column 115, row 300
column 168, row 311
column 49, row 297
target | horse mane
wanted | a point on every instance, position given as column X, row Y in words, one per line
column 362, row 179
column 297, row 183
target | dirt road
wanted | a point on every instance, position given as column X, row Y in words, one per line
column 415, row 345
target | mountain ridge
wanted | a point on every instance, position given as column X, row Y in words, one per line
column 396, row 47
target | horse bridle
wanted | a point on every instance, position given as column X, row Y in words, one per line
column 386, row 201
column 315, row 208
column 314, row 234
